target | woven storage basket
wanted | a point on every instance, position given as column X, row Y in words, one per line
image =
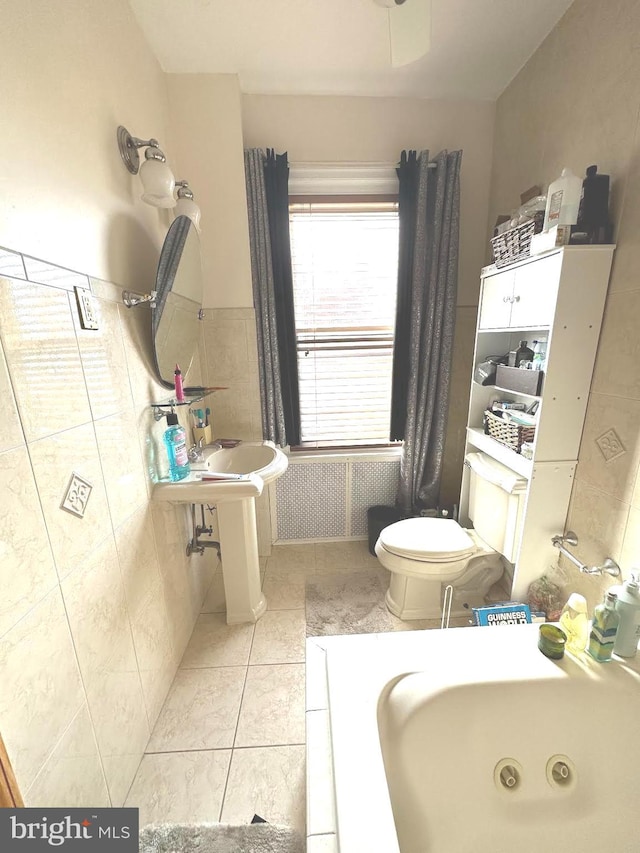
column 510, row 434
column 512, row 245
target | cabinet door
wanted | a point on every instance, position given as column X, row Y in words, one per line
column 535, row 292
column 495, row 305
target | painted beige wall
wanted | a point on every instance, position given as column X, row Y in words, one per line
column 206, row 138
column 68, row 80
column 315, row 129
column 575, row 103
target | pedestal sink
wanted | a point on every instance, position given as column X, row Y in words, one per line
column 240, row 475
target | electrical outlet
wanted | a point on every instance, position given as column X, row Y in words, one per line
column 87, row 309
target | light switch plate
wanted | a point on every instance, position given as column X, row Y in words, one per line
column 87, row 309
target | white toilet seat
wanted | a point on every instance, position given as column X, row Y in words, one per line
column 437, row 540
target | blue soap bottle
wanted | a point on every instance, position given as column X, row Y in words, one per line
column 175, row 439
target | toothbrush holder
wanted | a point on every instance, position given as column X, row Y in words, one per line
column 205, row 433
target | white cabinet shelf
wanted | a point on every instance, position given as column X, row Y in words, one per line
column 500, row 452
column 561, row 292
column 498, row 389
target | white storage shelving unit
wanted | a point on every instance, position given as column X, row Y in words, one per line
column 559, row 294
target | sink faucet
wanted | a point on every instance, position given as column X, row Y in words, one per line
column 195, row 451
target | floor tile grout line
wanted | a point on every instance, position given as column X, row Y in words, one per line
column 224, row 748
column 241, row 665
column 235, row 733
column 190, row 749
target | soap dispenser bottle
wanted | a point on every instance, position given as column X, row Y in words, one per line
column 604, row 628
column 575, row 623
column 628, row 608
column 175, row 439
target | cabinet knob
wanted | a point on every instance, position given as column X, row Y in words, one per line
column 506, row 299
column 515, row 299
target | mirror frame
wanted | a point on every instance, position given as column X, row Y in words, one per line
column 167, row 271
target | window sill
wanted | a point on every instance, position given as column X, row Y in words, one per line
column 300, row 453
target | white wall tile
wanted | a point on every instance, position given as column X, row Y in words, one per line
column 99, row 620
column 11, row 434
column 41, row 688
column 54, row 459
column 72, row 775
column 103, row 360
column 11, row 264
column 27, row 571
column 42, row 353
column 122, row 469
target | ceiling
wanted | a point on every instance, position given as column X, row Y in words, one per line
column 341, row 47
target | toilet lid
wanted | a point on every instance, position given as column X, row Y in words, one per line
column 425, row 538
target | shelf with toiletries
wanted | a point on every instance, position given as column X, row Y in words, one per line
column 557, row 299
column 164, row 407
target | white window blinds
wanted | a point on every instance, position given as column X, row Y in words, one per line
column 345, row 265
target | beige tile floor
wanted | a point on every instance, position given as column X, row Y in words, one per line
column 230, row 740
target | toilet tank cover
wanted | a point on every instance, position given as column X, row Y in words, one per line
column 422, row 538
column 495, row 472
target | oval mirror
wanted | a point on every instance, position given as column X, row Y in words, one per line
column 177, row 311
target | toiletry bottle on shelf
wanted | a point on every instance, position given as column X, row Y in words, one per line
column 175, row 439
column 539, row 354
column 604, row 628
column 177, row 375
column 563, row 200
column 523, row 353
column 575, row 623
column 628, row 608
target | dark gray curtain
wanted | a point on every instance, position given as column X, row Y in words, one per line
column 427, row 286
column 268, row 209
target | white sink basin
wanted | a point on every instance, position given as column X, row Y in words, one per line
column 255, row 462
column 249, row 457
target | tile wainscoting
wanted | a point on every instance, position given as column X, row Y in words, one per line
column 96, row 611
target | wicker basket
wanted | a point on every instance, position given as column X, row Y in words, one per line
column 512, row 245
column 507, row 433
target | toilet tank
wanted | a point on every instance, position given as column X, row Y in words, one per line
column 496, row 503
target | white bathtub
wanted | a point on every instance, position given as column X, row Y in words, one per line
column 419, row 724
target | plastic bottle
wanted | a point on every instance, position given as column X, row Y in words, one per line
column 539, row 354
column 523, row 353
column 563, row 200
column 175, row 439
column 575, row 623
column 628, row 608
column 604, row 628
column 177, row 380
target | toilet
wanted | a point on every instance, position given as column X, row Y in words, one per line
column 424, row 555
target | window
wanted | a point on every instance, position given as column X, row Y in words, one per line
column 345, row 266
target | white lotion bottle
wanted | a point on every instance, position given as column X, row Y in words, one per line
column 628, row 608
column 563, row 200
